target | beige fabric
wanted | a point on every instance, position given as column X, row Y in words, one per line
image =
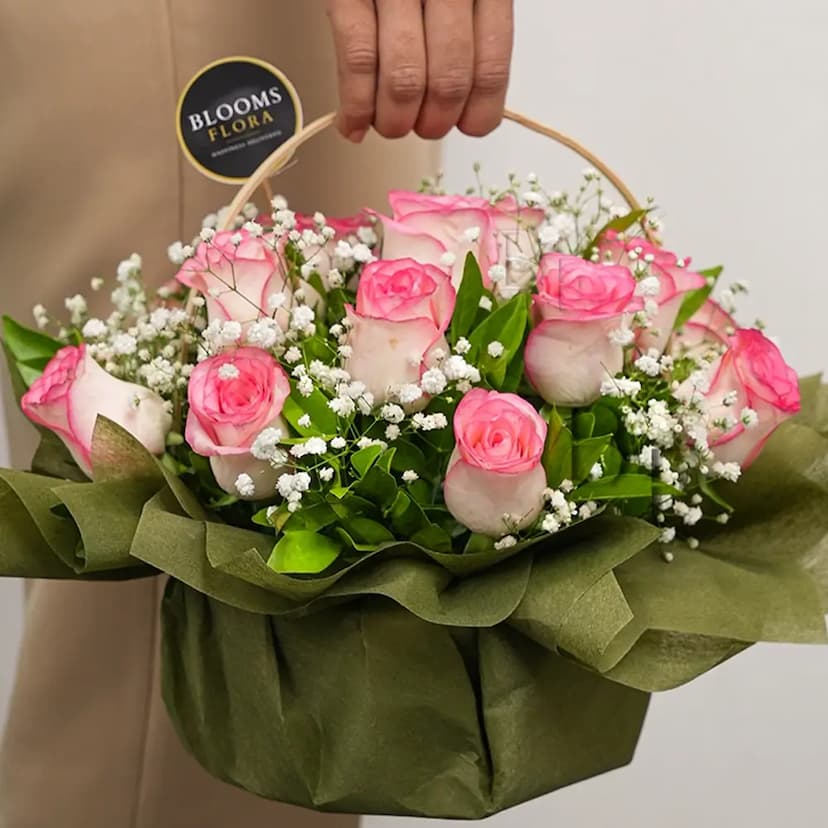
column 89, row 172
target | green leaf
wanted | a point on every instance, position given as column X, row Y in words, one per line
column 408, row 456
column 406, row 516
column 336, row 301
column 696, row 298
column 366, row 534
column 324, row 423
column 311, row 518
column 583, row 426
column 468, row 300
column 29, row 347
column 315, row 281
column 364, row 459
column 586, row 454
column 708, row 489
column 478, row 543
column 386, row 460
column 433, row 538
column 619, row 225
column 613, row 460
column 557, row 454
column 606, row 421
column 622, row 487
column 506, row 325
column 377, row 486
column 304, row 553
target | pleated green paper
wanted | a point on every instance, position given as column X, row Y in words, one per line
column 420, row 683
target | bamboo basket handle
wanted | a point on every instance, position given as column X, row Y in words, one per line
column 279, row 157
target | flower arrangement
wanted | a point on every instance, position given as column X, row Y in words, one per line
column 485, row 452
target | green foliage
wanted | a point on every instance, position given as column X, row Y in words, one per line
column 468, row 300
column 506, row 325
column 27, row 351
column 619, row 225
column 324, row 423
column 303, row 553
column 557, row 453
column 696, row 298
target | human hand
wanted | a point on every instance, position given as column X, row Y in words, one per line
column 422, row 65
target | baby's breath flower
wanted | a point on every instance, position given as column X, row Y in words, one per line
column 392, row 432
column 485, row 303
column 668, row 535
column 506, row 542
column 409, row 476
column 495, row 349
column 94, row 329
column 342, row 406
column 433, row 381
column 312, row 446
column 293, row 354
column 244, row 485
column 463, row 346
column 409, row 393
column 326, row 474
column 338, row 443
column 304, row 421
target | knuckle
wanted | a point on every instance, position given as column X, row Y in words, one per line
column 405, row 84
column 359, row 59
column 452, row 85
column 491, row 77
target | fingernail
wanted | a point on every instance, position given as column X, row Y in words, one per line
column 357, row 135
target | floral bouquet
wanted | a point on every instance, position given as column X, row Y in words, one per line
column 442, row 495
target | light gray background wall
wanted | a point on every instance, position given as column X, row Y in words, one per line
column 718, row 109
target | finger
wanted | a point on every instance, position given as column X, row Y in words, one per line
column 493, row 36
column 354, row 27
column 402, row 66
column 449, row 27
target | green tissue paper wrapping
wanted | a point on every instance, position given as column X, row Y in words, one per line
column 427, row 684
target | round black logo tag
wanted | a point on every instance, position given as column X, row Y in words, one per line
column 233, row 114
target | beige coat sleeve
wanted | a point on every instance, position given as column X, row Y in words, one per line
column 90, row 171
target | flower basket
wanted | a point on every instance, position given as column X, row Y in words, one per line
column 407, row 678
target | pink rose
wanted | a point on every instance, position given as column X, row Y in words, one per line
column 233, row 398
column 512, row 225
column 235, row 280
column 495, row 479
column 708, row 332
column 73, row 390
column 579, row 305
column 766, row 390
column 426, row 228
column 674, row 282
column 402, row 311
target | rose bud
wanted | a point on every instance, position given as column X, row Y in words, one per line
column 402, row 311
column 578, row 308
column 495, row 479
column 73, row 390
column 233, row 398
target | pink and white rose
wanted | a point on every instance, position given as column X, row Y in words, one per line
column 706, row 334
column 578, row 307
column 236, row 280
column 428, row 227
column 763, row 388
column 495, row 479
column 233, row 398
column 675, row 281
column 74, row 390
column 403, row 309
